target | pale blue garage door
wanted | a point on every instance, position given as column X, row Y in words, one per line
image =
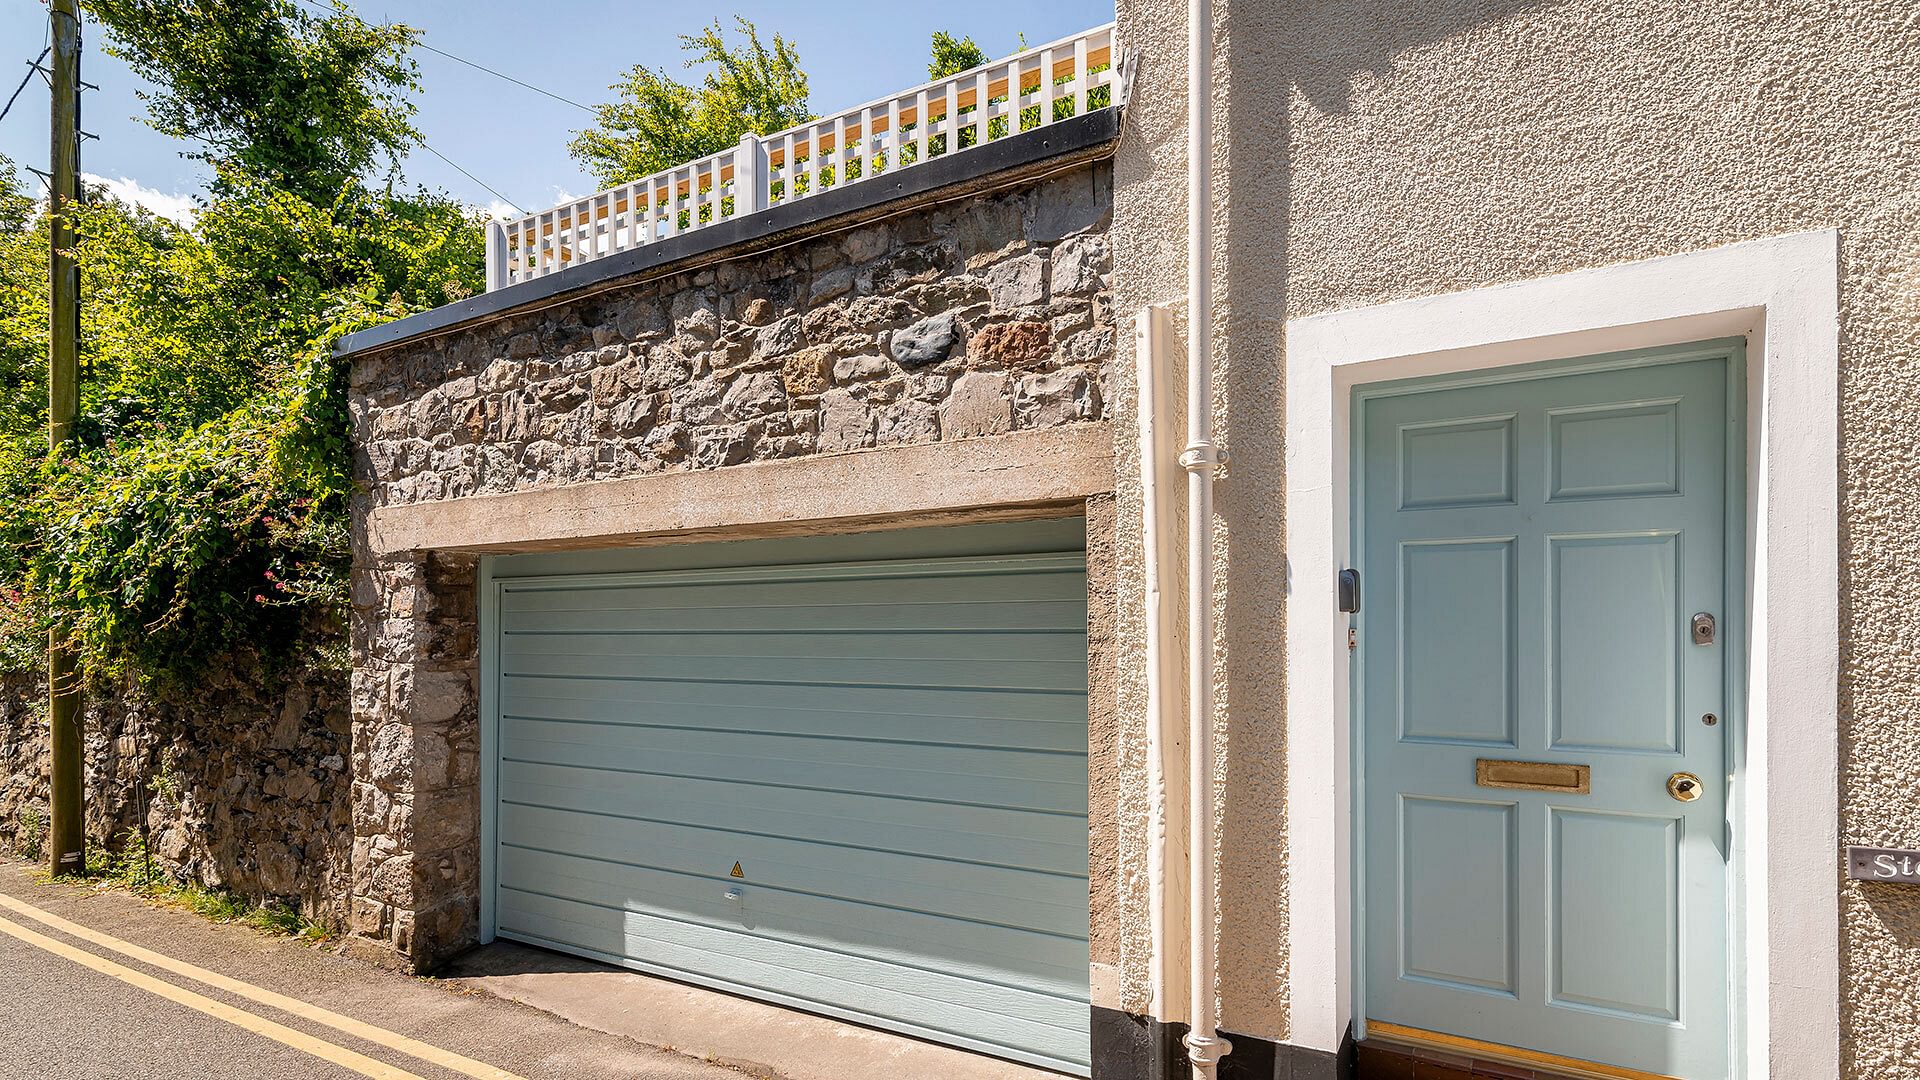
column 844, row 773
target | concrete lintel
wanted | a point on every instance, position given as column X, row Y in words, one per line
column 1023, row 473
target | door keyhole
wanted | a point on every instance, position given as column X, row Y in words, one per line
column 1683, row 786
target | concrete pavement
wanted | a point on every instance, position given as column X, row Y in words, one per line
column 83, row 1001
column 760, row 1039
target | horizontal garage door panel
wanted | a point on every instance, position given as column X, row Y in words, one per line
column 914, row 998
column 880, row 706
column 1022, row 779
column 893, row 751
column 1021, row 898
column 841, row 646
column 944, row 830
column 668, row 593
column 623, row 615
column 809, row 669
column 521, row 698
column 1049, row 965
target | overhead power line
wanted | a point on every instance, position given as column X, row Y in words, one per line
column 509, row 78
column 481, row 67
column 490, row 188
column 32, row 69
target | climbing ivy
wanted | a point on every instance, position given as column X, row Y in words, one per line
column 203, row 506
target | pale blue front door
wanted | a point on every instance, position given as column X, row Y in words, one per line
column 1544, row 765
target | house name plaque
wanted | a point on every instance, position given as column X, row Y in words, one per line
column 1883, row 864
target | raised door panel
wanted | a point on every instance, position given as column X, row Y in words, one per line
column 1457, row 642
column 1614, row 635
column 1457, row 885
column 1614, row 920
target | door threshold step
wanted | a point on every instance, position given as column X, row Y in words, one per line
column 1475, row 1058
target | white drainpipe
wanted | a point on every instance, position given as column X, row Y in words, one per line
column 1205, row 1047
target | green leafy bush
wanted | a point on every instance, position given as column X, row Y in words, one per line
column 29, row 839
column 159, row 555
column 204, row 508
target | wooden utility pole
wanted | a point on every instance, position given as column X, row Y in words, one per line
column 67, row 839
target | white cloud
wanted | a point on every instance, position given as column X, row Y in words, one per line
column 502, row 210
column 177, row 206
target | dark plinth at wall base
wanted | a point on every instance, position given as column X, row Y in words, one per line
column 1129, row 1047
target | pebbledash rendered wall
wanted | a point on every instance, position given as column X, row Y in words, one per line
column 965, row 319
column 1378, row 152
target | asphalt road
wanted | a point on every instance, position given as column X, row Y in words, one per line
column 63, row 1020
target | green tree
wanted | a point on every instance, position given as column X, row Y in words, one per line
column 656, row 122
column 952, row 56
column 269, row 89
column 23, row 313
column 204, row 508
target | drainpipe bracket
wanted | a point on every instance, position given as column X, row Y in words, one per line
column 1206, row 1052
column 1203, row 457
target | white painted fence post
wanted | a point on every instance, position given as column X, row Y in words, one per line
column 497, row 277
column 752, row 179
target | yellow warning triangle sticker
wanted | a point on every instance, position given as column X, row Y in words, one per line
column 736, row 871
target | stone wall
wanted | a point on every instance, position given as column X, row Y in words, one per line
column 243, row 784
column 416, row 759
column 986, row 315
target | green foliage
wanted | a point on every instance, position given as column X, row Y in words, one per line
column 165, row 784
column 202, row 508
column 23, row 313
column 305, row 100
column 171, row 550
column 130, row 867
column 30, row 838
column 952, row 56
column 657, row 122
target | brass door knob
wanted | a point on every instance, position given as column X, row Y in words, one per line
column 1683, row 786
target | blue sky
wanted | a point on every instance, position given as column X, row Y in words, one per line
column 514, row 139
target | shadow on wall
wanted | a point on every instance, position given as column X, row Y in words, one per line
column 1323, row 60
column 1320, row 60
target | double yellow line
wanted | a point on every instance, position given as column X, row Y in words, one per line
column 259, row 1025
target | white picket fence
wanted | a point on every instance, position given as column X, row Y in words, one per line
column 1033, row 88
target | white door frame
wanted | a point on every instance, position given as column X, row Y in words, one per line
column 1782, row 295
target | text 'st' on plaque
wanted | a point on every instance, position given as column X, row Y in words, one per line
column 1883, row 864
